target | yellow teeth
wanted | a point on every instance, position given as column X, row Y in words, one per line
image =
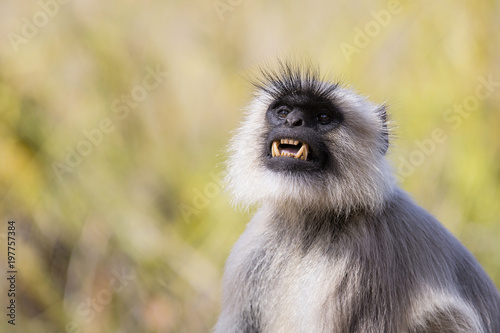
column 302, row 153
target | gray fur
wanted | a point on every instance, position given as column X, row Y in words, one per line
column 348, row 252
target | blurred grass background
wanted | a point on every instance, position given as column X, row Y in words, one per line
column 145, row 205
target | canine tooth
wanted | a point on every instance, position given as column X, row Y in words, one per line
column 275, row 150
column 306, row 151
column 300, row 152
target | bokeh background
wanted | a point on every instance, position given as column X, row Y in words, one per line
column 114, row 116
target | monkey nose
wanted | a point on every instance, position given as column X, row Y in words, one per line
column 294, row 121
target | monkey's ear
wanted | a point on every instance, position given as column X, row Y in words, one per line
column 382, row 113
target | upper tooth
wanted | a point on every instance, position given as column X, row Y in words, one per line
column 301, row 150
column 289, row 141
column 275, row 150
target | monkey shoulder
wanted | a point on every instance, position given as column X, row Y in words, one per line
column 442, row 278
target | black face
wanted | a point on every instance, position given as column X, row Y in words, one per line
column 296, row 141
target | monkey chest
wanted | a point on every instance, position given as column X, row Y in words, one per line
column 287, row 292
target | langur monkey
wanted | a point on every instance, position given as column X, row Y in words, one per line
column 336, row 245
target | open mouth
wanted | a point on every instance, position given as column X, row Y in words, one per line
column 290, row 148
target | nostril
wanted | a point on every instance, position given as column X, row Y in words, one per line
column 297, row 122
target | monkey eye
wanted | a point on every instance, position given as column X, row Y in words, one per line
column 283, row 112
column 323, row 118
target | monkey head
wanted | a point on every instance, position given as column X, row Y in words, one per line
column 307, row 142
